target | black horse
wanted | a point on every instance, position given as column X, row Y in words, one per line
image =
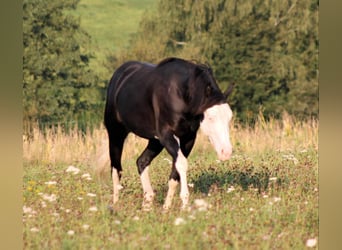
column 165, row 104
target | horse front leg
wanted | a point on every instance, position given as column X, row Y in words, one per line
column 179, row 172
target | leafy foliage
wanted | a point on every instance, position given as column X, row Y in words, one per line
column 268, row 48
column 58, row 85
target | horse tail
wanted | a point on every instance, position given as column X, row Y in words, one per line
column 102, row 158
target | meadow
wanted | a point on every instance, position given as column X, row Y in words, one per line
column 111, row 24
column 264, row 197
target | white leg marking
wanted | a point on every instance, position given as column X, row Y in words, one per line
column 182, row 167
column 147, row 188
column 116, row 185
column 170, row 193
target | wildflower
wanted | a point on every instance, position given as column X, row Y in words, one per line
column 93, row 209
column 273, row 179
column 191, row 185
column 79, row 198
column 32, row 183
column 179, row 221
column 136, row 218
column 85, row 226
column 50, row 183
column 27, row 210
column 43, row 203
column 230, row 189
column 67, row 210
column 31, row 213
column 311, row 242
column 291, row 157
column 201, row 205
column 91, row 195
column 276, row 199
column 117, row 222
column 34, row 229
column 87, row 176
column 71, row 232
column 73, row 170
column 50, row 198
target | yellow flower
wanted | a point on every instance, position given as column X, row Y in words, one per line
column 32, row 183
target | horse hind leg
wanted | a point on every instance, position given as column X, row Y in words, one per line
column 152, row 150
column 117, row 136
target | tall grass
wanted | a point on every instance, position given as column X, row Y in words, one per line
column 264, row 197
column 91, row 148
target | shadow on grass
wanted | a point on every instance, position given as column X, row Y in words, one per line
column 246, row 179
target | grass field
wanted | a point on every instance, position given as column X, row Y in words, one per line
column 264, row 197
column 110, row 24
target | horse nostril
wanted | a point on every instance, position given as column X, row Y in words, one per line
column 226, row 153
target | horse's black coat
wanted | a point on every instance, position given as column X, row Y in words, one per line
column 158, row 102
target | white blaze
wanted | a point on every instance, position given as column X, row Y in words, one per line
column 216, row 126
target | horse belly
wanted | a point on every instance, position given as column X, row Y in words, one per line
column 139, row 123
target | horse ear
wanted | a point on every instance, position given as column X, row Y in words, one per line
column 228, row 90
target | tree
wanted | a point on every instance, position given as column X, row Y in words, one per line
column 58, row 85
column 268, row 48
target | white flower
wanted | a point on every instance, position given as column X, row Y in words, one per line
column 230, row 189
column 117, row 222
column 93, row 209
column 276, row 199
column 51, row 183
column 191, row 185
column 136, row 218
column 86, row 175
column 73, row 170
column 91, row 195
column 50, row 198
column 291, row 157
column 27, row 210
column 71, row 232
column 85, row 226
column 273, row 178
column 34, row 229
column 201, row 205
column 311, row 242
column 179, row 221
